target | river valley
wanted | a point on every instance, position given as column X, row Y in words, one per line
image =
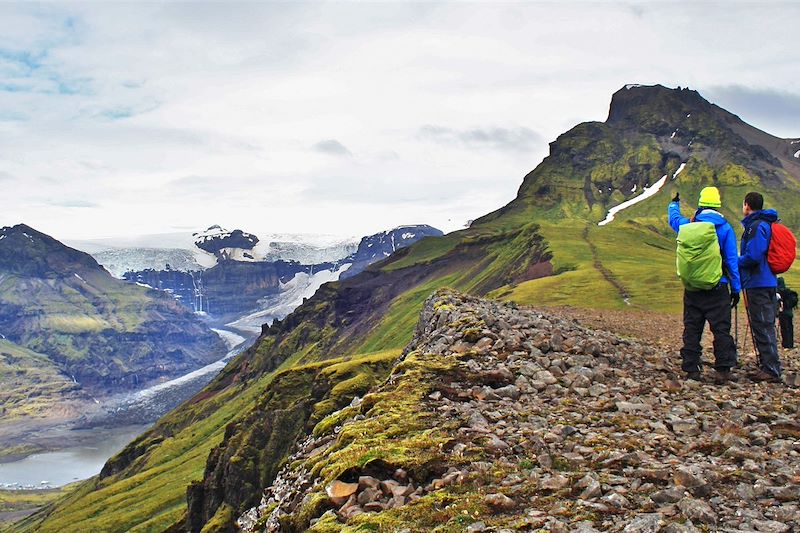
column 77, row 450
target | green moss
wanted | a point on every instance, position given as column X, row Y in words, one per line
column 221, row 521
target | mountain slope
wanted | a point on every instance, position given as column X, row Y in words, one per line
column 101, row 333
column 596, row 166
column 545, row 247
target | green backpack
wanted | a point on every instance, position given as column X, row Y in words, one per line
column 699, row 261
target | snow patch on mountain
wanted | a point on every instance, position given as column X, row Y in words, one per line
column 646, row 193
column 680, row 169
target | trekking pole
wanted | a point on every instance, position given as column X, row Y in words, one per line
column 736, row 324
column 750, row 327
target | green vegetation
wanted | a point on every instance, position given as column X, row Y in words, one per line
column 15, row 501
column 31, row 384
column 395, row 432
column 155, row 495
column 396, row 327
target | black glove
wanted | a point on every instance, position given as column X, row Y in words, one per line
column 734, row 299
column 677, row 197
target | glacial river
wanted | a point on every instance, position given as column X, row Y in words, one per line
column 54, row 469
column 123, row 419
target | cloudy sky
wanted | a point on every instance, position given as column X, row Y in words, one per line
column 343, row 118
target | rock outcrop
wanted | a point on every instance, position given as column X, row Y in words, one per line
column 499, row 418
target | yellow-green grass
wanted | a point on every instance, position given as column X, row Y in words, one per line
column 396, row 431
column 23, row 500
column 426, row 250
column 396, row 327
column 31, row 383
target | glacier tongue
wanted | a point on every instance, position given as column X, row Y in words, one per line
column 292, row 293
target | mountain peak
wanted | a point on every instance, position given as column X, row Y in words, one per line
column 28, row 252
column 637, row 105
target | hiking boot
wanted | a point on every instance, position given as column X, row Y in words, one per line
column 694, row 376
column 721, row 377
column 763, row 376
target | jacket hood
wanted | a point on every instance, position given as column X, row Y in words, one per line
column 705, row 214
column 767, row 215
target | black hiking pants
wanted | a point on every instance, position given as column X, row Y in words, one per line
column 713, row 306
column 787, row 330
column 762, row 305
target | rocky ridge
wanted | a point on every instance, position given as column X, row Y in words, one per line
column 500, row 418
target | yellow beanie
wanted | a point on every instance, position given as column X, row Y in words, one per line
column 709, row 197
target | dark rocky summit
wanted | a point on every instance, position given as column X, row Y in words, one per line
column 28, row 252
column 381, row 245
column 214, row 240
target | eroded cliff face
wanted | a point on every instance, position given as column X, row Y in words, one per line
column 230, row 288
column 255, row 446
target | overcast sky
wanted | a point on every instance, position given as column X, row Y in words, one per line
column 344, row 118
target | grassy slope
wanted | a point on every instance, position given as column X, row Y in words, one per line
column 13, row 501
column 151, row 494
column 637, row 248
column 30, row 381
column 75, row 306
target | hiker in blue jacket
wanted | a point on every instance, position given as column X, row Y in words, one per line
column 712, row 305
column 760, row 285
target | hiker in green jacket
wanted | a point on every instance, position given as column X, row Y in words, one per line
column 708, row 267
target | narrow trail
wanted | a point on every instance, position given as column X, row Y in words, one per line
column 606, row 273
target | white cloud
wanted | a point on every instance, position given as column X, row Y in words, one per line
column 331, row 146
column 126, row 118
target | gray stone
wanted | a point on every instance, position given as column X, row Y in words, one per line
column 686, row 478
column 584, row 527
column 629, row 407
column 509, row 391
column 697, row 510
column 555, row 482
column 499, row 501
column 687, row 527
column 672, row 495
column 770, row 526
column 688, row 427
column 592, row 490
column 477, row 421
column 644, row 523
column 617, row 500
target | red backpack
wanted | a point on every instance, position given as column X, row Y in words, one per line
column 782, row 249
